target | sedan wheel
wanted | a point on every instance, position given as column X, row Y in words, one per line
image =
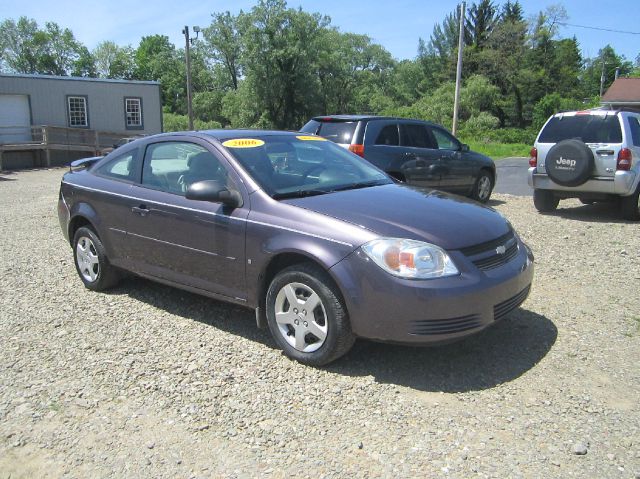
column 91, row 261
column 301, row 317
column 306, row 315
column 87, row 259
column 483, row 187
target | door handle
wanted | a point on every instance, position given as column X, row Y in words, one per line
column 140, row 210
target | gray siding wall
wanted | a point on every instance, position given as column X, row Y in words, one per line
column 105, row 101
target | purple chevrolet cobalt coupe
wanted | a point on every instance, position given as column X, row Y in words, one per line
column 323, row 246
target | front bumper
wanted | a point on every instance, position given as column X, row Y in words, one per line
column 386, row 308
column 623, row 183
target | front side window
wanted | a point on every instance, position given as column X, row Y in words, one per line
column 133, row 113
column 77, row 111
column 122, row 167
column 445, row 140
column 174, row 165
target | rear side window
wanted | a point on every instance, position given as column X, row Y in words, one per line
column 587, row 128
column 634, row 123
column 389, row 136
column 416, row 136
column 122, row 167
column 338, row 131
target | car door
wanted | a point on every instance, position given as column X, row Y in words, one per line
column 114, row 178
column 457, row 168
column 382, row 146
column 421, row 162
column 195, row 243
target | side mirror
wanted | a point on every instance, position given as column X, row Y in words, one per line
column 213, row 191
column 464, row 147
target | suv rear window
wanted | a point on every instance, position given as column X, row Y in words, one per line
column 588, row 128
column 338, row 131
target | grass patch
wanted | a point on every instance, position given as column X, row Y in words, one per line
column 497, row 151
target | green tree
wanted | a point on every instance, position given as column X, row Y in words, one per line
column 113, row 61
column 607, row 61
column 156, row 59
column 23, row 45
column 279, row 46
column 480, row 21
column 223, row 44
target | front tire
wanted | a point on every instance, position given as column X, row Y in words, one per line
column 545, row 201
column 630, row 206
column 483, row 187
column 91, row 261
column 306, row 316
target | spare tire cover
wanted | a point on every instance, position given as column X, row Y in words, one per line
column 569, row 163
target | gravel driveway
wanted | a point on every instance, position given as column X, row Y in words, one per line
column 149, row 381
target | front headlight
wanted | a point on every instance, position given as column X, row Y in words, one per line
column 410, row 258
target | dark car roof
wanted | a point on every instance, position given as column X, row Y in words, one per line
column 365, row 117
column 225, row 134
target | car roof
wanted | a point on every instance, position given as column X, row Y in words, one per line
column 364, row 117
column 222, row 135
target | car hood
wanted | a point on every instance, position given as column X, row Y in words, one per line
column 400, row 211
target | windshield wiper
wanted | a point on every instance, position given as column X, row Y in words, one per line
column 298, row 194
column 362, row 184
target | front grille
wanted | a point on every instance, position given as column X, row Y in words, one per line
column 497, row 259
column 445, row 326
column 500, row 310
column 489, row 257
column 488, row 246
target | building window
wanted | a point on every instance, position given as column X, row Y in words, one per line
column 77, row 108
column 133, row 113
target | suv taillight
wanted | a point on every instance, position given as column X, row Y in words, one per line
column 357, row 149
column 533, row 157
column 624, row 160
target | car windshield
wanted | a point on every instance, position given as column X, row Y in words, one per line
column 588, row 128
column 289, row 166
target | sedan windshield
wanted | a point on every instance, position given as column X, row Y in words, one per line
column 288, row 166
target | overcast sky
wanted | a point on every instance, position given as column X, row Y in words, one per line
column 397, row 25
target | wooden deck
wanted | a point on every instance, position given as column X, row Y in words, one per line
column 48, row 139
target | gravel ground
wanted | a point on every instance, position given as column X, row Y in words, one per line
column 148, row 381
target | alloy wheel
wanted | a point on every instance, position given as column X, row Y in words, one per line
column 87, row 259
column 301, row 317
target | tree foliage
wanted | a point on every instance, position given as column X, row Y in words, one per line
column 274, row 67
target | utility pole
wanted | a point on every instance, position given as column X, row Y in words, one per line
column 188, row 43
column 602, row 78
column 456, row 101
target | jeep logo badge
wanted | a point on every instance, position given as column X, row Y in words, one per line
column 566, row 163
column 501, row 249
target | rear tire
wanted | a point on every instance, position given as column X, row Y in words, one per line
column 630, row 206
column 483, row 187
column 92, row 264
column 306, row 316
column 545, row 201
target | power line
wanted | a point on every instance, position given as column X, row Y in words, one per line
column 597, row 28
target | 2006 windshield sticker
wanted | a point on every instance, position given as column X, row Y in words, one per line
column 243, row 143
column 311, row 138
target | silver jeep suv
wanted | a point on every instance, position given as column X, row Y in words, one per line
column 592, row 155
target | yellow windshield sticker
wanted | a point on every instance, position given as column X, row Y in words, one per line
column 311, row 138
column 243, row 143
